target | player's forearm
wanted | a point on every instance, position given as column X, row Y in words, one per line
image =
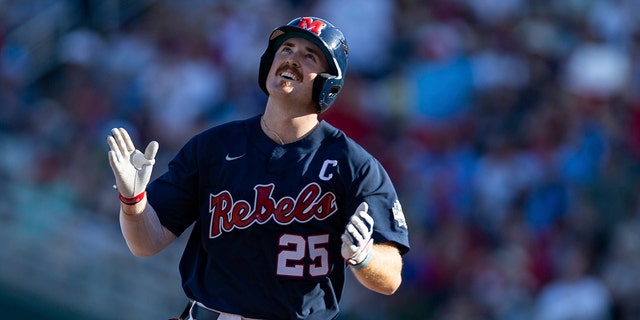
column 142, row 229
column 383, row 274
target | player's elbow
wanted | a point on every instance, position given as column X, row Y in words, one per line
column 143, row 253
column 149, row 248
column 390, row 268
column 144, row 249
column 386, row 284
column 391, row 286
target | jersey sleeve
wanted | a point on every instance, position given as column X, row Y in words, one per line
column 373, row 185
column 172, row 194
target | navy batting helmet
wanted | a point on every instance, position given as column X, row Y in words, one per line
column 330, row 39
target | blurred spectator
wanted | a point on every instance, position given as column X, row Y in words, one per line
column 620, row 269
column 369, row 27
column 575, row 293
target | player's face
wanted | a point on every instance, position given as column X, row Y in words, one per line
column 296, row 64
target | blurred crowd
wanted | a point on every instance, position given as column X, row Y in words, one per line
column 511, row 129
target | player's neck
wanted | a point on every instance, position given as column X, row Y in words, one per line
column 283, row 128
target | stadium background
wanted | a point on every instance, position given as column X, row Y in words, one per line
column 511, row 129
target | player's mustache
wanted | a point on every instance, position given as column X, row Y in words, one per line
column 287, row 67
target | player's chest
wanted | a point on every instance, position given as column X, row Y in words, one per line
column 281, row 189
column 281, row 173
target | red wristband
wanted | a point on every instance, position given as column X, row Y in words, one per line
column 132, row 201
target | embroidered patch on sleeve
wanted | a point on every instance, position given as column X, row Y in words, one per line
column 398, row 215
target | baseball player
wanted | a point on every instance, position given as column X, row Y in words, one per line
column 282, row 203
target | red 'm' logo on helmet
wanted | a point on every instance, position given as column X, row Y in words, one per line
column 314, row 26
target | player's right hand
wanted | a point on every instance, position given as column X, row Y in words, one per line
column 131, row 168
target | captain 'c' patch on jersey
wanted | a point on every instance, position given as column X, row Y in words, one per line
column 325, row 171
column 227, row 214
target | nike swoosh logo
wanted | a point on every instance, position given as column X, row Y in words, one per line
column 229, row 158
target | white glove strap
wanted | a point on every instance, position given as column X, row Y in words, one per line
column 362, row 264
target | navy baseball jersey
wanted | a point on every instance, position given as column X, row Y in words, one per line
column 268, row 217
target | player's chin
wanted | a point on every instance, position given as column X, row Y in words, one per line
column 283, row 88
column 288, row 88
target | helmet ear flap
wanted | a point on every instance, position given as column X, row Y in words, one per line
column 325, row 89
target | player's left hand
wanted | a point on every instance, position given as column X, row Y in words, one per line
column 356, row 239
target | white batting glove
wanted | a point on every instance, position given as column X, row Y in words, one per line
column 131, row 168
column 356, row 239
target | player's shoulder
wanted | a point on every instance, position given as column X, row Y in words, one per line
column 339, row 143
column 228, row 129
